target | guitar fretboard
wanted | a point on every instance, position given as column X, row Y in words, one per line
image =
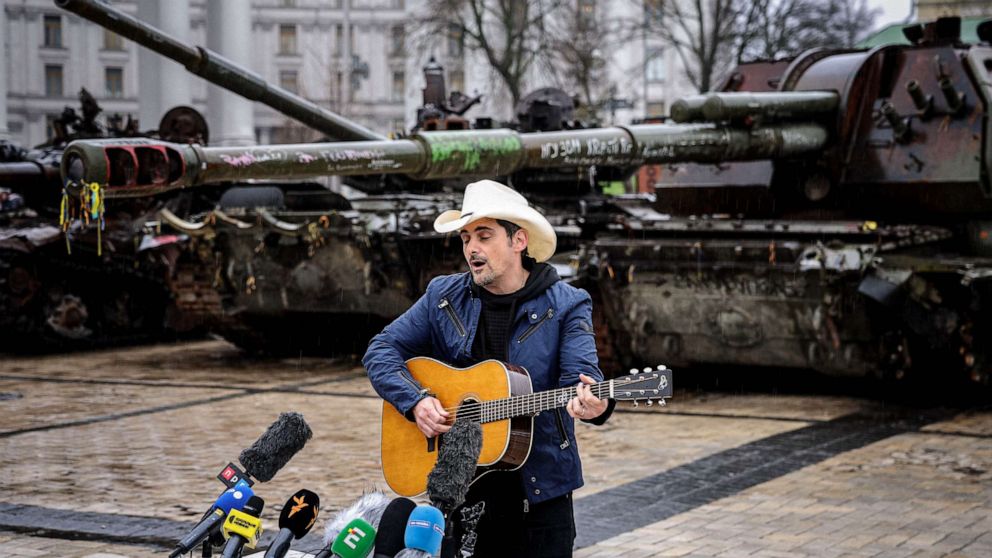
column 530, row 404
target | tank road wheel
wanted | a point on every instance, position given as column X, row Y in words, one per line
column 68, row 318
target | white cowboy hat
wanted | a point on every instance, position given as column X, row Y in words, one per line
column 490, row 199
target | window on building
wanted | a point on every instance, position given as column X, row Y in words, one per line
column 336, row 87
column 287, row 39
column 338, row 39
column 456, row 80
column 399, row 85
column 586, row 12
column 398, row 35
column 655, row 108
column 456, row 40
column 53, row 80
column 289, row 80
column 53, row 31
column 50, row 126
column 654, row 70
column 112, row 41
column 289, row 3
column 115, row 82
column 654, row 10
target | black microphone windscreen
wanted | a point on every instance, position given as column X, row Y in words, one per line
column 389, row 538
column 454, row 471
column 253, row 506
column 276, row 446
column 300, row 513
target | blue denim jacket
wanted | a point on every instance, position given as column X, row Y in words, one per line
column 552, row 337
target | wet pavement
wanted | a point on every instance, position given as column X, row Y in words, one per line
column 113, row 453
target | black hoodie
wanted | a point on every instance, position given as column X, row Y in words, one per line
column 492, row 339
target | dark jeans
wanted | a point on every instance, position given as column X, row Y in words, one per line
column 545, row 530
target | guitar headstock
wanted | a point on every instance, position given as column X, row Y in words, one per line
column 647, row 384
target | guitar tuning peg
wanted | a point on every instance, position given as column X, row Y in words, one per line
column 650, row 402
column 648, row 369
column 661, row 403
column 635, row 403
column 662, row 367
column 633, row 371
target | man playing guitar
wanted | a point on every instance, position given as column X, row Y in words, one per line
column 513, row 307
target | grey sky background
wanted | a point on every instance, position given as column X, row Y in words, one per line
column 893, row 11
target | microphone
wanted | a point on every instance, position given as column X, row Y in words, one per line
column 370, row 507
column 355, row 540
column 276, row 446
column 392, row 527
column 448, row 481
column 425, row 530
column 243, row 527
column 297, row 517
column 231, row 499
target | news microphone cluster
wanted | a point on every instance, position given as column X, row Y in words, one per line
column 262, row 460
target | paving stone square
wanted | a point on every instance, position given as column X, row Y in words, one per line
column 122, row 446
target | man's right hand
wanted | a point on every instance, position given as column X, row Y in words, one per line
column 431, row 417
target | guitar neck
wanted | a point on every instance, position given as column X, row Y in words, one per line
column 533, row 403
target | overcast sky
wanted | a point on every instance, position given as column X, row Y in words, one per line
column 893, row 11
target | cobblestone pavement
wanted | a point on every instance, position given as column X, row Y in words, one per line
column 120, row 447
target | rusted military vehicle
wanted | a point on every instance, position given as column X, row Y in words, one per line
column 869, row 256
column 84, row 286
column 804, row 216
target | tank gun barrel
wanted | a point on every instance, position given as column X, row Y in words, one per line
column 134, row 167
column 220, row 71
column 758, row 107
column 26, row 173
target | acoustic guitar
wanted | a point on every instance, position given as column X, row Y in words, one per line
column 499, row 396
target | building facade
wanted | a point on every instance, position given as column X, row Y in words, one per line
column 927, row 10
column 341, row 54
column 354, row 57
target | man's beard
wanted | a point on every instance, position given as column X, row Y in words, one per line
column 482, row 277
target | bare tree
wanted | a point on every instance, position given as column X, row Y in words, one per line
column 703, row 33
column 581, row 35
column 510, row 34
column 710, row 35
column 849, row 21
column 781, row 28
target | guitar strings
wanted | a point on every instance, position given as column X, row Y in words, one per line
column 502, row 409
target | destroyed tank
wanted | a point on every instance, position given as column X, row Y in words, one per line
column 300, row 268
column 765, row 245
column 83, row 286
column 870, row 256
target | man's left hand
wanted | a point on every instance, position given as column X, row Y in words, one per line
column 585, row 405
